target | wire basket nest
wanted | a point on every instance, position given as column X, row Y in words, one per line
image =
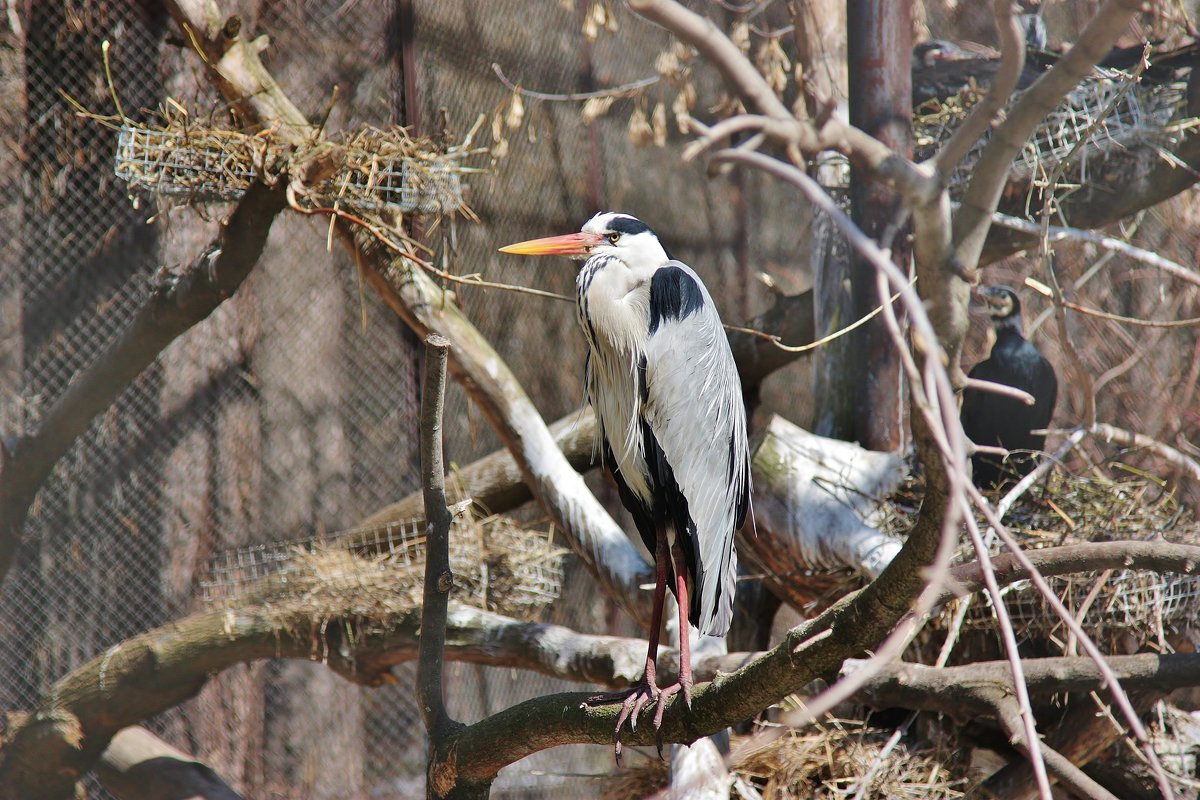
column 1175, row 735
column 1123, row 610
column 376, row 169
column 831, row 759
column 378, row 572
column 1107, row 112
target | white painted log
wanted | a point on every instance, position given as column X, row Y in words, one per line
column 816, row 501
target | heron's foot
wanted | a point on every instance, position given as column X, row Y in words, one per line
column 633, row 700
column 637, row 698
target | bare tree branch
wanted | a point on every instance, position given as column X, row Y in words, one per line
column 1111, row 433
column 986, row 111
column 1056, row 233
column 973, row 220
column 51, row 748
column 438, row 578
column 917, row 185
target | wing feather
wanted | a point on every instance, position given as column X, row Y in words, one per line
column 694, row 408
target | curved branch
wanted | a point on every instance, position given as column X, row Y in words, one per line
column 973, row 220
column 159, row 669
column 917, row 185
column 985, row 112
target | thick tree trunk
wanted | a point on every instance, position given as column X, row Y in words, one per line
column 880, row 43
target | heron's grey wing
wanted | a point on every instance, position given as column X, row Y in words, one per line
column 693, row 405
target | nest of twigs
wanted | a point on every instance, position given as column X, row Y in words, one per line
column 1105, row 113
column 1123, row 610
column 379, row 572
column 372, row 168
column 830, row 760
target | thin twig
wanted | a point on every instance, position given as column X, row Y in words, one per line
column 616, row 91
column 1111, row 433
column 409, row 255
column 1082, row 374
column 1001, row 389
column 1004, row 623
column 824, row 340
column 1191, row 322
column 1057, row 233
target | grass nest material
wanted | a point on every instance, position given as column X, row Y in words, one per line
column 1105, row 114
column 830, row 760
column 1123, row 610
column 366, row 170
column 378, row 573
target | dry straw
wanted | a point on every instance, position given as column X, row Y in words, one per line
column 829, row 760
column 377, row 573
column 373, row 170
column 1122, row 610
column 1104, row 115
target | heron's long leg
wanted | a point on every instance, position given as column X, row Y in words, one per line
column 637, row 697
column 685, row 637
column 661, row 555
column 684, row 684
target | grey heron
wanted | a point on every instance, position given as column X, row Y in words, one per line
column 662, row 380
column 998, row 420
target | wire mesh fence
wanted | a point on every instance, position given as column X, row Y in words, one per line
column 291, row 412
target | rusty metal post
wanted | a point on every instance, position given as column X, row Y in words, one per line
column 880, row 61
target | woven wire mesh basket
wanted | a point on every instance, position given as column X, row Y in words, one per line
column 1120, row 609
column 1102, row 113
column 215, row 165
column 497, row 565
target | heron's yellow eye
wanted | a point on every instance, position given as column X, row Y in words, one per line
column 614, row 237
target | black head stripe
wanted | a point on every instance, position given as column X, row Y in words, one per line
column 628, row 225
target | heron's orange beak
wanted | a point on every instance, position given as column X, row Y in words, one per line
column 571, row 244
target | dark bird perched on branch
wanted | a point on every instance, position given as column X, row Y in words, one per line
column 667, row 396
column 997, row 420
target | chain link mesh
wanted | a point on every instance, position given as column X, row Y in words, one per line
column 292, row 411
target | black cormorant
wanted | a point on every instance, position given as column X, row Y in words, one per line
column 998, row 421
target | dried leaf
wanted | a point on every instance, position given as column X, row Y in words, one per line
column 498, row 126
column 640, row 132
column 667, row 65
column 516, row 111
column 740, row 36
column 658, row 122
column 596, row 107
column 682, row 107
column 774, row 64
column 598, row 18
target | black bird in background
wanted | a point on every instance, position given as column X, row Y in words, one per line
column 999, row 421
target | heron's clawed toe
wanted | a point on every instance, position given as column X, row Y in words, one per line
column 633, row 701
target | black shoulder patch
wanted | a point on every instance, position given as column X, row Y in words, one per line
column 673, row 295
